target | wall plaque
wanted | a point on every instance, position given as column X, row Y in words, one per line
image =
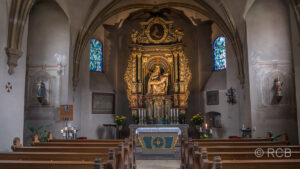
column 103, row 103
column 66, row 112
column 212, row 97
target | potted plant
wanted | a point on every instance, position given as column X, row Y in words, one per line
column 41, row 132
column 181, row 118
column 120, row 120
column 197, row 120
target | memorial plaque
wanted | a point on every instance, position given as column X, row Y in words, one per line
column 103, row 103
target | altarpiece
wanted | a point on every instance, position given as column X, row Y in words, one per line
column 157, row 75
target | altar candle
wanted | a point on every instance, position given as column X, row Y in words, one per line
column 61, row 131
column 205, row 125
column 210, row 131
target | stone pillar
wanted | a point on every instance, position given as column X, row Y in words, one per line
column 18, row 16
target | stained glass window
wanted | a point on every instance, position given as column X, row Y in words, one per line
column 219, row 54
column 96, row 55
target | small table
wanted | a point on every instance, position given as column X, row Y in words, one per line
column 158, row 140
column 112, row 126
column 246, row 133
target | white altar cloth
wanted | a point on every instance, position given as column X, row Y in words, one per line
column 158, row 130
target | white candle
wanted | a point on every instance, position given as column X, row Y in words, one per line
column 200, row 129
column 61, row 131
column 139, row 113
column 211, row 131
column 142, row 116
column 205, row 125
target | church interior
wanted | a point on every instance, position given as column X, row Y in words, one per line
column 169, row 84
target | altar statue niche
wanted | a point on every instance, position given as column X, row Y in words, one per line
column 157, row 75
column 158, row 83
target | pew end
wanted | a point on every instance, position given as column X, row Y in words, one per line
column 16, row 143
column 35, row 139
column 98, row 163
column 50, row 136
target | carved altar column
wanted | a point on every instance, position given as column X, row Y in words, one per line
column 134, row 72
column 176, row 71
column 140, row 85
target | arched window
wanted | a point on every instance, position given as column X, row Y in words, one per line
column 219, row 53
column 96, row 55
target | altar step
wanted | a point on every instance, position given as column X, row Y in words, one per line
column 158, row 164
column 156, row 157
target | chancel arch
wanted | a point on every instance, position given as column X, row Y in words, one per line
column 199, row 7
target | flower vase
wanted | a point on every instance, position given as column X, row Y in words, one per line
column 120, row 127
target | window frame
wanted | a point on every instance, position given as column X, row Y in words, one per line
column 215, row 57
column 102, row 64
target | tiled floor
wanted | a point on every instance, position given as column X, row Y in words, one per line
column 158, row 164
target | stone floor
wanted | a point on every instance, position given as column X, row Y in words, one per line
column 158, row 164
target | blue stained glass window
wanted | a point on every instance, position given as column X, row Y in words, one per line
column 96, row 55
column 219, row 54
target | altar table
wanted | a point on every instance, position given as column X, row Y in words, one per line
column 159, row 138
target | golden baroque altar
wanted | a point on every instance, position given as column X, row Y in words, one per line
column 157, row 75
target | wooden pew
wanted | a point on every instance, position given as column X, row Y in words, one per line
column 257, row 143
column 64, row 149
column 217, row 163
column 120, row 159
column 232, row 140
column 246, row 148
column 189, row 147
column 54, row 156
column 199, row 156
column 20, row 164
column 75, row 144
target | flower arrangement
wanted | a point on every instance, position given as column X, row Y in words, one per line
column 197, row 119
column 120, row 120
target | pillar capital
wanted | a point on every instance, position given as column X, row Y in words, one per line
column 13, row 56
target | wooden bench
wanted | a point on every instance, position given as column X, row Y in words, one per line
column 54, row 156
column 217, row 163
column 20, row 164
column 199, row 156
column 122, row 157
column 246, row 148
column 189, row 147
column 75, row 144
column 232, row 140
column 257, row 143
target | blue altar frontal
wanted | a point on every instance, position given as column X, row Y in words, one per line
column 159, row 138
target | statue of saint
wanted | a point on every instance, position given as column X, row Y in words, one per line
column 41, row 91
column 157, row 83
